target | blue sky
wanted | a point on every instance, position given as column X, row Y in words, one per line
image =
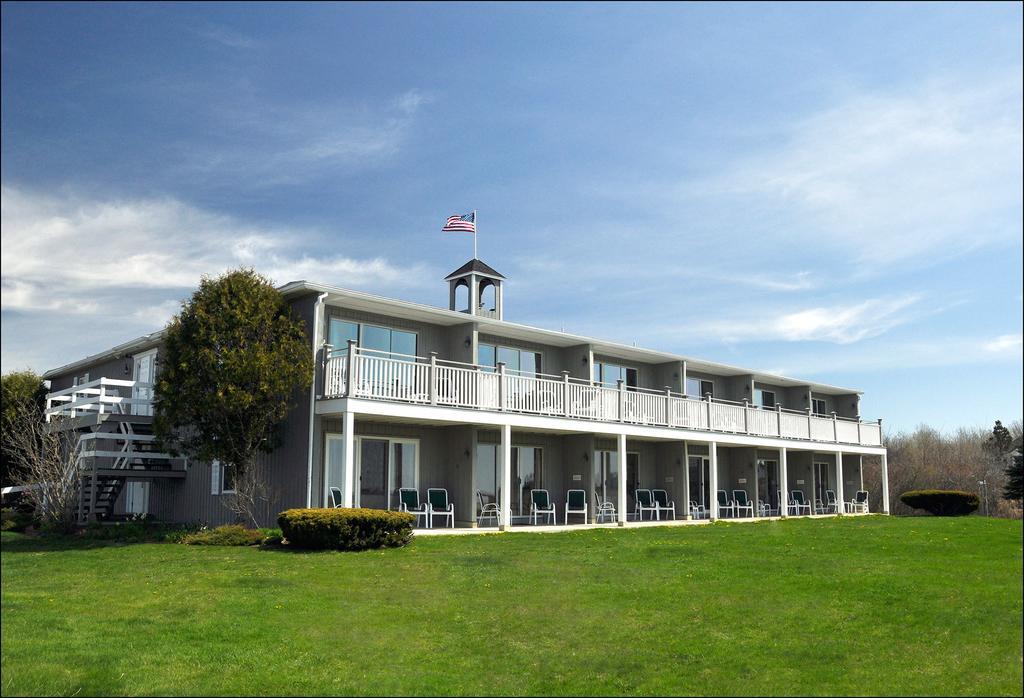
column 831, row 192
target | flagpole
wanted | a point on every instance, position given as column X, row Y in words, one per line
column 474, row 233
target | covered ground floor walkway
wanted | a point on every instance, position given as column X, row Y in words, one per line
column 537, row 474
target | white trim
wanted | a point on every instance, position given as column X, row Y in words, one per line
column 457, row 415
column 318, row 310
column 330, row 436
column 215, row 477
column 223, row 472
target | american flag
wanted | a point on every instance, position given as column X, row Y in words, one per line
column 460, row 224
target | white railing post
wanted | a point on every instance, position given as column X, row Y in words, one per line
column 432, row 378
column 668, row 405
column 835, row 428
column 103, row 394
column 502, row 388
column 622, row 401
column 881, row 441
column 860, row 439
column 327, row 350
column 565, row 393
column 746, row 416
column 710, row 427
column 778, row 419
column 810, row 428
column 350, row 369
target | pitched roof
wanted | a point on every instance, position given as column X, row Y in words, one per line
column 473, row 265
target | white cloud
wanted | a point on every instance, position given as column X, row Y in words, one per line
column 225, row 36
column 839, row 324
column 273, row 144
column 890, row 178
column 122, row 267
column 951, row 351
column 1005, row 344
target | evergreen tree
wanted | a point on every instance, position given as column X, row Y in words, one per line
column 1014, row 489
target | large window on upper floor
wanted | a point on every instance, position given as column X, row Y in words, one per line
column 522, row 361
column 371, row 337
column 699, row 388
column 764, row 398
column 818, row 406
column 610, row 374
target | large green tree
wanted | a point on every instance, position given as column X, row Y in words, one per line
column 234, row 360
column 22, row 393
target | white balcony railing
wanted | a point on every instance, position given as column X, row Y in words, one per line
column 101, row 396
column 413, row 379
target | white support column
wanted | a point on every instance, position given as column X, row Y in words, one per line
column 783, row 483
column 713, row 494
column 860, row 461
column 505, row 500
column 686, row 479
column 885, row 483
column 839, row 483
column 348, row 468
column 621, row 504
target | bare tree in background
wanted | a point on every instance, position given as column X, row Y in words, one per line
column 928, row 459
column 45, row 465
column 252, row 495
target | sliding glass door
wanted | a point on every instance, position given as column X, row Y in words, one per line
column 700, row 473
column 385, row 466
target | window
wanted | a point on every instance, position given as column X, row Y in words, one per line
column 81, row 380
column 698, row 387
column 222, row 478
column 521, row 361
column 371, row 337
column 818, row 406
column 764, row 398
column 610, row 374
column 527, row 471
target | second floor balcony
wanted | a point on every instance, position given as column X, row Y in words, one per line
column 387, row 376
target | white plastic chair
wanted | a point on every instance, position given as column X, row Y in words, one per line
column 605, row 507
column 487, row 510
column 336, row 497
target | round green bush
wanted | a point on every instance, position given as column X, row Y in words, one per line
column 942, row 502
column 345, row 529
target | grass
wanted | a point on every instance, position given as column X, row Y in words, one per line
column 870, row 605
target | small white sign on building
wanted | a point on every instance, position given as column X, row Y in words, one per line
column 799, row 482
column 742, row 481
column 669, row 478
column 576, row 477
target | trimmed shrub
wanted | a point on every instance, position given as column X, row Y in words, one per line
column 942, row 502
column 231, row 534
column 346, row 529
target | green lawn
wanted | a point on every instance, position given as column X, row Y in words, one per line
column 868, row 605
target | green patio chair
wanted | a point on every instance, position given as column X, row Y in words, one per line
column 726, row 507
column 437, row 500
column 575, row 503
column 541, row 505
column 663, row 503
column 740, row 502
column 645, row 502
column 409, row 501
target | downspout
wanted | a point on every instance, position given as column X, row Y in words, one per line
column 318, row 309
